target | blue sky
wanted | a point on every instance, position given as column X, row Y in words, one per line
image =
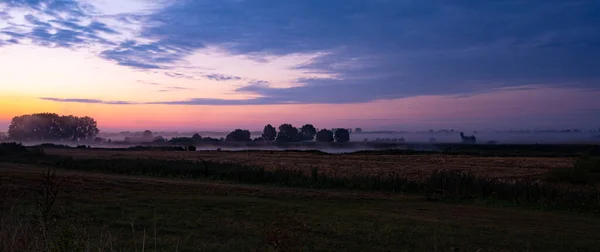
column 336, row 52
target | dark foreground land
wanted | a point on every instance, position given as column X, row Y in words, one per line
column 162, row 201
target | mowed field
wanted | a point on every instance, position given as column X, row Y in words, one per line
column 353, row 164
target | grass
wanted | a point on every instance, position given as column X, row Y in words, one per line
column 125, row 204
column 113, row 213
column 586, row 170
column 440, row 185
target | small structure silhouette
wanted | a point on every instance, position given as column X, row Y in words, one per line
column 468, row 139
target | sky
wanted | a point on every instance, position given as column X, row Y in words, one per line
column 375, row 64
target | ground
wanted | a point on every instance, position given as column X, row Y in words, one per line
column 132, row 213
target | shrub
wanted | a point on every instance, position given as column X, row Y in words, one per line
column 191, row 148
column 7, row 148
column 585, row 170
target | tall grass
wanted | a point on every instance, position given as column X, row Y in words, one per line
column 586, row 170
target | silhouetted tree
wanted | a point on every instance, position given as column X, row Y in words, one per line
column 325, row 135
column 342, row 135
column 358, row 130
column 269, row 133
column 308, row 132
column 147, row 134
column 47, row 126
column 159, row 139
column 239, row 135
column 197, row 138
column 468, row 139
column 181, row 140
column 287, row 133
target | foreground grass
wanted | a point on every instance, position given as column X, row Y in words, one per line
column 122, row 213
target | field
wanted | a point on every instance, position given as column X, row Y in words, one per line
column 352, row 164
column 111, row 200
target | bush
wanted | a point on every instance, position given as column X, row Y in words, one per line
column 191, row 148
column 7, row 148
column 585, row 170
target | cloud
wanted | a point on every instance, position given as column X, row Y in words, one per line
column 149, row 82
column 377, row 49
column 52, row 7
column 393, row 49
column 92, row 101
column 221, row 77
column 56, row 23
column 179, row 75
column 174, row 88
column 153, row 55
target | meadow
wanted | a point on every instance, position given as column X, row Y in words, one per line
column 149, row 200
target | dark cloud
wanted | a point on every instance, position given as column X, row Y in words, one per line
column 390, row 49
column 221, row 77
column 377, row 49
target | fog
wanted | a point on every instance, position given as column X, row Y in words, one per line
column 411, row 137
column 361, row 141
column 484, row 137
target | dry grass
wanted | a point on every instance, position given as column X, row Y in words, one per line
column 416, row 166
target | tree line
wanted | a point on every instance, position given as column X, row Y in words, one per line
column 52, row 127
column 288, row 133
column 285, row 133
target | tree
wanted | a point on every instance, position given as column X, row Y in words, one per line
column 308, row 132
column 287, row 133
column 47, row 126
column 269, row 133
column 197, row 138
column 342, row 135
column 325, row 135
column 159, row 139
column 358, row 130
column 239, row 135
column 147, row 134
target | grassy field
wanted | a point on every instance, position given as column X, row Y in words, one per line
column 97, row 209
column 351, row 164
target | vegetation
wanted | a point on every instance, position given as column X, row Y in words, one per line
column 195, row 205
column 585, row 171
column 269, row 133
column 342, row 135
column 287, row 133
column 325, row 135
column 308, row 132
column 86, row 212
column 239, row 135
column 449, row 184
column 48, row 127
